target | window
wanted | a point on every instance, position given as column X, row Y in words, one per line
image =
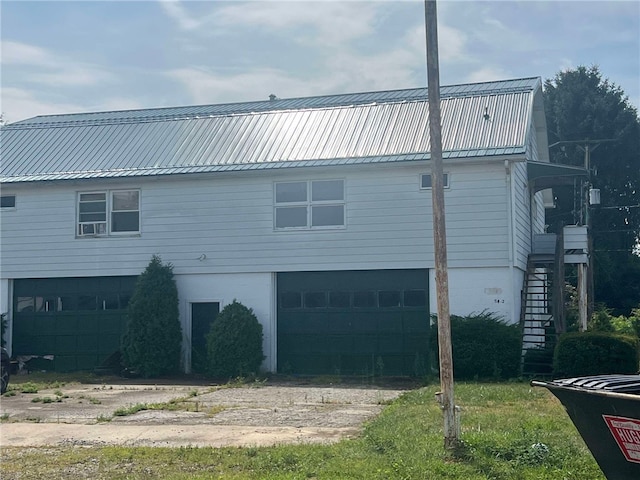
column 115, row 212
column 389, row 299
column 425, row 180
column 315, row 299
column 8, row 201
column 415, row 298
column 290, row 300
column 309, row 204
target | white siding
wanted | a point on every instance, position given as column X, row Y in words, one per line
column 256, row 291
column 224, row 224
column 473, row 290
column 521, row 206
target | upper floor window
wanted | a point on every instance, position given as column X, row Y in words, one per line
column 425, row 180
column 108, row 212
column 309, row 204
column 8, row 201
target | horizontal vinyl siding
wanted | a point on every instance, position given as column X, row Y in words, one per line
column 522, row 215
column 229, row 220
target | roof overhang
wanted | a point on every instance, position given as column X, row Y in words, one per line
column 543, row 175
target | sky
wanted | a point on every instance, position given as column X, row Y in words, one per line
column 79, row 56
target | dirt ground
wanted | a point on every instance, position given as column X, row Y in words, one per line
column 189, row 415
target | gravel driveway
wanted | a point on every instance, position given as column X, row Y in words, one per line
column 183, row 415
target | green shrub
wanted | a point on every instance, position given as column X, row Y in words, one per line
column 4, row 324
column 603, row 321
column 483, row 346
column 595, row 353
column 152, row 342
column 234, row 343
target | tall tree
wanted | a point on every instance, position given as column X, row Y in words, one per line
column 152, row 342
column 584, row 108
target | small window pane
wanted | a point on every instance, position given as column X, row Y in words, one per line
column 124, row 300
column 327, row 190
column 25, row 304
column 364, row 299
column 288, row 217
column 125, row 200
column 389, row 299
column 327, row 215
column 425, row 180
column 92, row 207
column 93, row 197
column 125, row 222
column 291, row 192
column 339, row 299
column 93, row 217
column 87, row 302
column 7, row 201
column 40, row 304
column 415, row 298
column 66, row 303
column 108, row 302
column 315, row 299
column 290, row 300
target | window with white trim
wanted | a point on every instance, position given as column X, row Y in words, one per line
column 309, row 204
column 425, row 181
column 112, row 212
column 8, row 201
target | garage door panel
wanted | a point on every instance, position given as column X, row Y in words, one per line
column 308, row 364
column 337, row 344
column 87, row 344
column 109, row 324
column 45, row 325
column 88, row 324
column 364, row 323
column 339, row 322
column 87, row 362
column 65, row 363
column 390, row 323
column 66, row 344
column 391, row 344
column 357, row 320
column 77, row 319
column 66, row 325
column 415, row 322
column 108, row 343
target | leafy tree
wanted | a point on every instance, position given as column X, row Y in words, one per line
column 580, row 105
column 151, row 344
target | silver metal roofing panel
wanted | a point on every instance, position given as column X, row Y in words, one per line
column 479, row 119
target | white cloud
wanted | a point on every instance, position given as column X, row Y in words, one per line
column 329, row 23
column 317, row 23
column 18, row 104
column 17, row 53
column 257, row 84
column 45, row 67
column 175, row 10
column 487, row 74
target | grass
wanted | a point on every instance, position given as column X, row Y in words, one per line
column 509, row 431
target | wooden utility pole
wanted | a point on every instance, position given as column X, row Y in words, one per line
column 445, row 396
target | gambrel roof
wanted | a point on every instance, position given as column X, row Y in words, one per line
column 479, row 120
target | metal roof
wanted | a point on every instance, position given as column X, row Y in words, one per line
column 480, row 119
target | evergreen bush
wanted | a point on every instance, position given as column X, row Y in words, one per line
column 234, row 343
column 483, row 346
column 152, row 342
column 595, row 353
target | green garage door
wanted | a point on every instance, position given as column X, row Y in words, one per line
column 373, row 322
column 69, row 323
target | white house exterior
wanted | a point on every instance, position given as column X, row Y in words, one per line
column 315, row 212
